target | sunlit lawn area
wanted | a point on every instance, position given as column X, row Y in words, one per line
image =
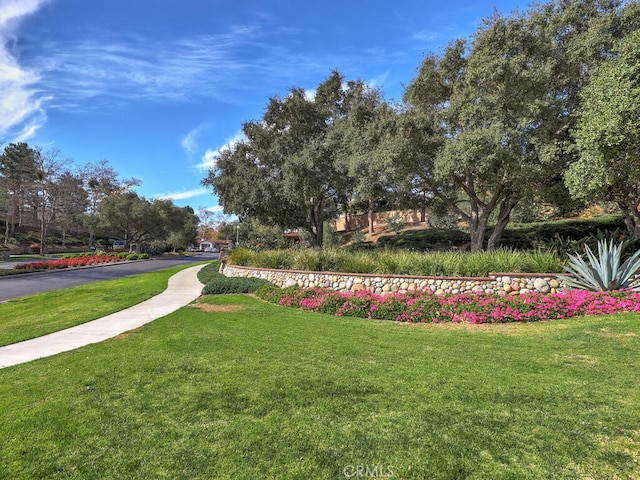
column 36, row 315
column 240, row 389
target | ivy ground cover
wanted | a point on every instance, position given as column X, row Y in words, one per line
column 471, row 308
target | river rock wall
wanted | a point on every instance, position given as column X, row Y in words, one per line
column 503, row 283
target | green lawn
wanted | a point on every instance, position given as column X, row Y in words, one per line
column 240, row 389
column 37, row 315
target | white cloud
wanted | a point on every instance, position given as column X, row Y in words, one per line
column 379, row 80
column 104, row 68
column 208, row 160
column 21, row 106
column 15, row 9
column 215, row 209
column 428, row 36
column 310, row 94
column 189, row 143
column 224, row 66
column 190, row 140
column 183, row 195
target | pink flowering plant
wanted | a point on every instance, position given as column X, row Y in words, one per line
column 76, row 261
column 420, row 307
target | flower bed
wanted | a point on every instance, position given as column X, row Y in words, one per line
column 421, row 307
column 76, row 261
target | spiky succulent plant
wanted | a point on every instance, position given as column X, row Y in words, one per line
column 605, row 272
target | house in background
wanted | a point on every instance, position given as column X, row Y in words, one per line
column 214, row 245
column 205, row 246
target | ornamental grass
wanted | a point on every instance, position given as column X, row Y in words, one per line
column 401, row 262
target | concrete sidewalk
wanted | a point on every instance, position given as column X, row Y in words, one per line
column 184, row 287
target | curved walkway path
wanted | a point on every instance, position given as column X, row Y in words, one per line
column 183, row 288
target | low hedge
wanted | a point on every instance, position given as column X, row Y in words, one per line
column 521, row 236
column 224, row 285
column 218, row 284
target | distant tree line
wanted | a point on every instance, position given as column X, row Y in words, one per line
column 43, row 189
column 537, row 107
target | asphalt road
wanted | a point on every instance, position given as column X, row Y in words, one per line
column 14, row 286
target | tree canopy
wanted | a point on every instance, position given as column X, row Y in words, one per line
column 608, row 133
column 284, row 172
column 45, row 189
column 485, row 127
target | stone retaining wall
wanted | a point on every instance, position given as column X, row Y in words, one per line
column 509, row 283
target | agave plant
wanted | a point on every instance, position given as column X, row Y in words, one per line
column 606, row 272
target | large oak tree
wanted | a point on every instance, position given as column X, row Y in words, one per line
column 284, row 171
column 608, row 134
column 490, row 125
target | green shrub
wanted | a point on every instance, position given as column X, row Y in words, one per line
column 306, row 260
column 329, row 259
column 388, row 262
column 241, row 256
column 361, row 247
column 216, row 283
column 402, row 262
column 209, row 272
column 281, row 259
column 428, row 239
column 224, row 285
column 143, row 256
column 357, row 236
column 541, row 261
column 132, row 256
column 558, row 235
column 395, row 223
column 353, row 261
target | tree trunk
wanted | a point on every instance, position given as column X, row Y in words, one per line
column 318, row 233
column 477, row 237
column 42, row 236
column 42, row 225
column 477, row 226
column 317, row 225
column 372, row 205
column 12, row 225
column 506, row 206
column 629, row 210
column 635, row 215
column 626, row 217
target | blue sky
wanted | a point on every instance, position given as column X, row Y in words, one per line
column 157, row 87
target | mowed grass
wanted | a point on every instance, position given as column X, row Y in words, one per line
column 234, row 388
column 36, row 315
